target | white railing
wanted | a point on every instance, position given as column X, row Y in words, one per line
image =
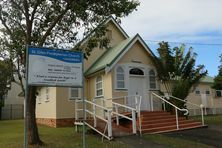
column 94, row 106
column 176, row 108
column 201, row 106
column 116, row 111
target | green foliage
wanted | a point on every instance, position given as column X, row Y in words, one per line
column 5, row 79
column 53, row 23
column 218, row 79
column 177, row 71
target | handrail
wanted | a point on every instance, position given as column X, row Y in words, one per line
column 93, row 113
column 176, row 108
column 201, row 106
column 185, row 101
column 133, row 110
column 127, row 107
column 120, row 97
column 180, row 109
column 97, row 105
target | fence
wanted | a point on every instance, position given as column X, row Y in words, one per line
column 12, row 111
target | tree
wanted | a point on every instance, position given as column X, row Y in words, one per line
column 53, row 23
column 5, row 80
column 176, row 70
column 218, row 79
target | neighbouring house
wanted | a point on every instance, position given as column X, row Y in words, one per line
column 13, row 103
column 202, row 93
column 124, row 69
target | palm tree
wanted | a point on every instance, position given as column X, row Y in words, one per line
column 176, row 70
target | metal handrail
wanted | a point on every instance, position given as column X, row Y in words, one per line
column 201, row 106
column 93, row 113
column 176, row 108
column 180, row 109
column 133, row 110
column 185, row 101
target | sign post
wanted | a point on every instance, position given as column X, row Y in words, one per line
column 52, row 67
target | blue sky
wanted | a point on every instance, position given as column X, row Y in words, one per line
column 183, row 21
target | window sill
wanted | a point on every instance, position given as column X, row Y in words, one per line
column 74, row 99
column 121, row 89
column 153, row 89
column 97, row 97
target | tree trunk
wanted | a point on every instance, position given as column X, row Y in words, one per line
column 33, row 135
column 0, row 112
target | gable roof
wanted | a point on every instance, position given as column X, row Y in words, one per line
column 104, row 22
column 207, row 79
column 114, row 54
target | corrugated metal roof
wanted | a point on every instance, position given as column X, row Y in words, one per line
column 109, row 56
column 207, row 79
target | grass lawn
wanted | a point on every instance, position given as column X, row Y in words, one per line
column 210, row 119
column 11, row 135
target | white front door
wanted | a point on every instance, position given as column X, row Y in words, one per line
column 137, row 86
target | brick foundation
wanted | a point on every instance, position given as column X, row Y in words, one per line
column 55, row 122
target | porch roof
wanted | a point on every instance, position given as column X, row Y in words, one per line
column 109, row 56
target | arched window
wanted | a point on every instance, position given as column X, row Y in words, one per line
column 152, row 77
column 120, row 78
column 99, row 86
column 136, row 71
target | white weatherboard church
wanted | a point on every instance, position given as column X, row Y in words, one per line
column 122, row 75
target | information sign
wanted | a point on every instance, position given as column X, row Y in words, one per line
column 50, row 67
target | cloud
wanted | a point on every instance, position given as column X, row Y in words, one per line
column 158, row 19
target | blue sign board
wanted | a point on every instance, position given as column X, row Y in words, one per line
column 54, row 67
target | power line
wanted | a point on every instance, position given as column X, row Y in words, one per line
column 190, row 43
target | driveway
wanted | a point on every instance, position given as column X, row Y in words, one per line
column 211, row 136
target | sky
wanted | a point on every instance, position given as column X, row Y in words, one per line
column 197, row 23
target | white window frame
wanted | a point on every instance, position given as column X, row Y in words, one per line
column 124, row 78
column 47, row 98
column 98, row 96
column 150, row 80
column 70, row 94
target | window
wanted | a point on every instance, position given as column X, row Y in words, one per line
column 207, row 92
column 46, row 94
column 120, row 79
column 136, row 71
column 197, row 92
column 152, row 77
column 74, row 93
column 99, row 86
column 218, row 93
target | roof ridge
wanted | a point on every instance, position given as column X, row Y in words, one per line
column 103, row 22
